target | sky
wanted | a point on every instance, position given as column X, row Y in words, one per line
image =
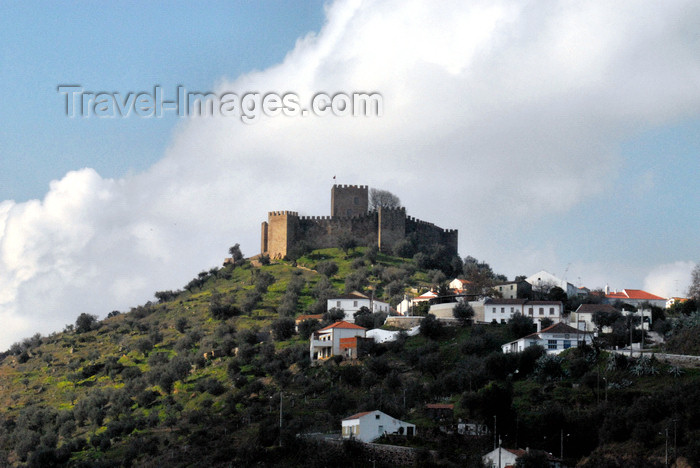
column 554, row 135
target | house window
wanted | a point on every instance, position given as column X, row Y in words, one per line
column 494, row 310
column 511, row 287
column 533, row 343
column 551, row 311
column 376, row 416
column 512, row 309
column 530, row 310
column 348, row 212
column 541, row 310
column 551, row 344
column 337, row 303
column 503, row 310
column 567, row 344
column 354, row 303
column 356, row 200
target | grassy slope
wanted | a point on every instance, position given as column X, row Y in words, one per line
column 69, row 367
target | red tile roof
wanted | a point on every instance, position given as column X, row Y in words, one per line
column 440, row 406
column 343, row 324
column 301, row 318
column 358, row 415
column 636, row 294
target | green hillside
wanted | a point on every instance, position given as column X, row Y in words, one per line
column 197, row 378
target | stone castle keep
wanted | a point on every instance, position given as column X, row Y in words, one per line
column 350, row 216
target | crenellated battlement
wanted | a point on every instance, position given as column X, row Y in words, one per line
column 286, row 231
column 282, row 213
column 358, row 187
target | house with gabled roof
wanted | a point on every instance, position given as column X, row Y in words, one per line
column 371, row 425
column 351, row 303
column 635, row 297
column 337, row 339
column 502, row 457
column 584, row 316
column 554, row 339
column 501, row 310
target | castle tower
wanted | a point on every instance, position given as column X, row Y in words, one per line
column 349, row 200
column 279, row 233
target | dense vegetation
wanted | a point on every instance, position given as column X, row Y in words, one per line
column 201, row 377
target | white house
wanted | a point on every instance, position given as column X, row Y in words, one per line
column 459, row 285
column 504, row 457
column 514, row 289
column 543, row 281
column 371, row 425
column 501, row 310
column 554, row 339
column 336, row 339
column 352, row 302
column 405, row 306
column 635, row 297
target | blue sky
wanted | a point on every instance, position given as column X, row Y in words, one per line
column 562, row 137
column 130, row 47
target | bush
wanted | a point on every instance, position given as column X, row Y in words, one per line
column 430, row 327
column 327, row 268
column 85, row 323
column 283, row 328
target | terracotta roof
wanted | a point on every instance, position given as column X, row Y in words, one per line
column 560, row 328
column 358, row 415
column 517, row 452
column 440, row 406
column 343, row 324
column 301, row 318
column 463, row 281
column 637, row 294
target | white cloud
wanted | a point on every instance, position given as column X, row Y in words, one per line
column 669, row 280
column 535, row 96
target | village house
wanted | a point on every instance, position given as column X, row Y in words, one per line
column 504, row 458
column 584, row 316
column 635, row 297
column 514, row 289
column 301, row 318
column 351, row 303
column 459, row 286
column 543, row 281
column 337, row 339
column 554, row 339
column 371, row 425
column 501, row 310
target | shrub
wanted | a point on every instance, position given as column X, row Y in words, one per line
column 327, row 268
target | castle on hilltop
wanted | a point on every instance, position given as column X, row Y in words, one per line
column 285, row 231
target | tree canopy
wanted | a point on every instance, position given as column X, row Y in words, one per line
column 382, row 198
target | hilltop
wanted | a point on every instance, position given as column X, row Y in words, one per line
column 197, row 379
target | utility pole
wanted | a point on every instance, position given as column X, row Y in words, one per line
column 280, row 419
column 495, row 435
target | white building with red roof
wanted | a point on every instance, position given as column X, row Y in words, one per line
column 554, row 339
column 371, row 425
column 635, row 297
column 337, row 339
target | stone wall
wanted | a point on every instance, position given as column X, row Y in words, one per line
column 285, row 230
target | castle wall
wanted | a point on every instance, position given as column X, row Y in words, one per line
column 392, row 227
column 349, row 200
column 281, row 232
column 428, row 233
column 320, row 232
column 285, row 230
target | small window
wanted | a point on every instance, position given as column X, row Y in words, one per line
column 356, row 200
column 337, row 303
column 567, row 344
column 354, row 303
column 376, row 416
column 511, row 287
column 551, row 311
column 348, row 212
column 530, row 310
column 494, row 310
column 551, row 344
column 541, row 310
column 512, row 309
column 503, row 310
